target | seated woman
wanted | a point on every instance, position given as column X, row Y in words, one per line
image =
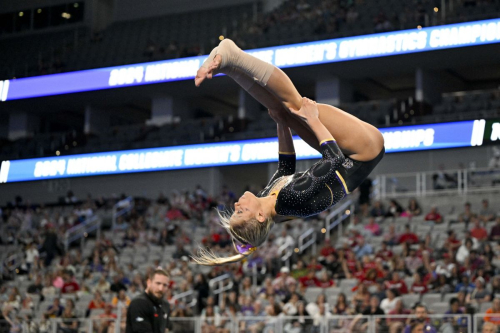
column 350, row 150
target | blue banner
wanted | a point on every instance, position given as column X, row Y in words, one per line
column 294, row 55
column 397, row 139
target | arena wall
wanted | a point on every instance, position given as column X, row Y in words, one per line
column 150, row 184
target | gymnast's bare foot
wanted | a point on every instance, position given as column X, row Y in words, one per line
column 208, row 72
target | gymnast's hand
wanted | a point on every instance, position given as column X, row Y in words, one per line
column 208, row 72
column 308, row 112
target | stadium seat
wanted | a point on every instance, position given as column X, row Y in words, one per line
column 484, row 306
column 348, row 284
column 448, row 296
column 312, row 293
column 410, row 299
column 438, row 307
column 431, row 298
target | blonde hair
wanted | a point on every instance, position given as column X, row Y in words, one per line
column 250, row 232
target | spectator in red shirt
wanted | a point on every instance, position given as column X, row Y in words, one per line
column 452, row 243
column 434, row 216
column 314, row 265
column 397, row 283
column 96, row 303
column 408, row 236
column 324, row 280
column 384, row 253
column 478, row 232
column 381, row 269
column 368, row 279
column 367, row 263
column 327, row 249
column 351, row 264
column 310, row 280
column 418, row 286
column 70, row 286
column 495, row 231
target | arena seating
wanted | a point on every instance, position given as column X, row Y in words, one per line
column 40, row 53
column 166, row 230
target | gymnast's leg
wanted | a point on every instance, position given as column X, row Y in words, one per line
column 359, row 140
column 264, row 97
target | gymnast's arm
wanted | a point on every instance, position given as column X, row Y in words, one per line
column 326, row 141
column 286, row 163
column 310, row 114
column 285, row 140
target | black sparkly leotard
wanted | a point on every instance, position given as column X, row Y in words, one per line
column 310, row 192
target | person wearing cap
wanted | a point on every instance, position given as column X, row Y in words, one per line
column 150, row 312
column 479, row 294
column 284, row 279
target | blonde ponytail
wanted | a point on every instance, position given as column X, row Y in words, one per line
column 251, row 233
column 207, row 257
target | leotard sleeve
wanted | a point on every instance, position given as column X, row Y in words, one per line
column 286, row 166
column 320, row 187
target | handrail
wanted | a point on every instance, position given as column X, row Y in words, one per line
column 221, row 287
column 287, row 250
column 82, row 230
column 456, row 181
column 121, row 208
column 16, row 258
column 342, row 212
column 311, row 242
column 186, row 294
column 469, row 323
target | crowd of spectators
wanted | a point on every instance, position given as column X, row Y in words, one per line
column 405, row 262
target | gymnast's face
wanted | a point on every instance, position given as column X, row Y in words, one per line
column 247, row 208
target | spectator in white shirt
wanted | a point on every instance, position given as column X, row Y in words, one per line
column 464, row 251
column 290, row 308
column 31, row 255
column 284, row 239
column 388, row 304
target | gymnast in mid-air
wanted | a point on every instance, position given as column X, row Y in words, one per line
column 350, row 150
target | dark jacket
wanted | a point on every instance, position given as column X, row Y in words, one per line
column 148, row 315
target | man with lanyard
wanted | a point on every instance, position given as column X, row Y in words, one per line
column 149, row 312
column 421, row 314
